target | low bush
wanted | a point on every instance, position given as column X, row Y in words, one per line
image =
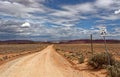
column 57, row 49
column 5, row 57
column 81, row 58
column 100, row 59
column 75, row 56
column 1, row 59
column 114, row 70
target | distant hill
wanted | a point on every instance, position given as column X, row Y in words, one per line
column 88, row 41
column 17, row 42
column 23, row 42
column 79, row 41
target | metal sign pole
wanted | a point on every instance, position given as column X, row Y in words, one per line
column 103, row 33
column 106, row 49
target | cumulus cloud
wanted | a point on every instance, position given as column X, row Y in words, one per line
column 117, row 11
column 95, row 9
column 106, row 4
column 108, row 17
column 14, row 27
column 80, row 8
column 26, row 25
column 19, row 10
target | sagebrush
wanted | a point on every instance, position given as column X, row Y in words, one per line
column 114, row 70
column 99, row 60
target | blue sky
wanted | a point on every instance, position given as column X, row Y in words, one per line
column 44, row 20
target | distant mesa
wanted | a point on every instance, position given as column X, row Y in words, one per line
column 79, row 41
column 89, row 41
column 16, row 42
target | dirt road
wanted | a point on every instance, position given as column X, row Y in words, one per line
column 46, row 63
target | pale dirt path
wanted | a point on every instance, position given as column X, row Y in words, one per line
column 46, row 63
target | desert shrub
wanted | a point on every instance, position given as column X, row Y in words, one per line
column 5, row 57
column 17, row 55
column 71, row 56
column 13, row 55
column 1, row 59
column 75, row 56
column 57, row 49
column 114, row 70
column 81, row 58
column 9, row 57
column 100, row 59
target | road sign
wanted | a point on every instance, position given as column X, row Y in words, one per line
column 103, row 31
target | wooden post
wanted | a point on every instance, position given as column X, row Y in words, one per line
column 91, row 43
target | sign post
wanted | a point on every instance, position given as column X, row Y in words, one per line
column 91, row 39
column 103, row 32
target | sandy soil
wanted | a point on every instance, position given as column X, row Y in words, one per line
column 46, row 63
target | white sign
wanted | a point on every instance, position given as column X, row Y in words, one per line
column 103, row 31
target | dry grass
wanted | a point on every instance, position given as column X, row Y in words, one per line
column 12, row 51
column 68, row 49
column 16, row 48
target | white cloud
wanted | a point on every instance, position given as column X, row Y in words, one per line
column 117, row 11
column 100, row 9
column 116, row 32
column 108, row 17
column 80, row 8
column 75, row 11
column 104, row 3
column 26, row 24
column 72, row 14
column 30, row 3
column 19, row 9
